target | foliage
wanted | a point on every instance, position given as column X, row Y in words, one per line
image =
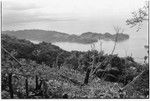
column 138, row 17
column 72, row 61
column 43, row 52
column 68, row 79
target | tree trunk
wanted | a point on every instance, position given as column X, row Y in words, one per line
column 10, row 85
column 45, row 88
column 36, row 82
column 26, row 85
column 87, row 76
column 40, row 85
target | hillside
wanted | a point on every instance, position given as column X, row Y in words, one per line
column 53, row 36
column 47, row 71
column 21, row 48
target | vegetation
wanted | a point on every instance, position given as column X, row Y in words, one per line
column 139, row 16
column 45, row 71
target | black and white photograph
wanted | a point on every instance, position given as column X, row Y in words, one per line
column 75, row 49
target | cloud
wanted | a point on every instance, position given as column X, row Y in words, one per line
column 25, row 17
column 26, row 11
column 16, row 11
column 20, row 5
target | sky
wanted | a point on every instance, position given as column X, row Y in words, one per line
column 69, row 16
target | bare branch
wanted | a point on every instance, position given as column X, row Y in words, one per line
column 138, row 17
column 117, row 30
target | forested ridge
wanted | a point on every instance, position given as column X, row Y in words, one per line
column 55, row 36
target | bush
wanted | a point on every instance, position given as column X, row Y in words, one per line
column 73, row 61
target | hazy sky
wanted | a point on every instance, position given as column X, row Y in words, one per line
column 70, row 16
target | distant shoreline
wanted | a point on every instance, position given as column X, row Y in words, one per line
column 54, row 36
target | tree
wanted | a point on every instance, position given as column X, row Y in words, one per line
column 117, row 30
column 142, row 14
column 138, row 17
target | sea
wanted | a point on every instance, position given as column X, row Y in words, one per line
column 134, row 46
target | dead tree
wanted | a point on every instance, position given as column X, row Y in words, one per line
column 117, row 30
column 12, row 56
column 10, row 85
column 26, row 86
column 45, row 88
column 36, row 82
column 107, row 59
column 40, row 84
column 87, row 76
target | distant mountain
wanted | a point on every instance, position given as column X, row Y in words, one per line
column 54, row 36
column 106, row 36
